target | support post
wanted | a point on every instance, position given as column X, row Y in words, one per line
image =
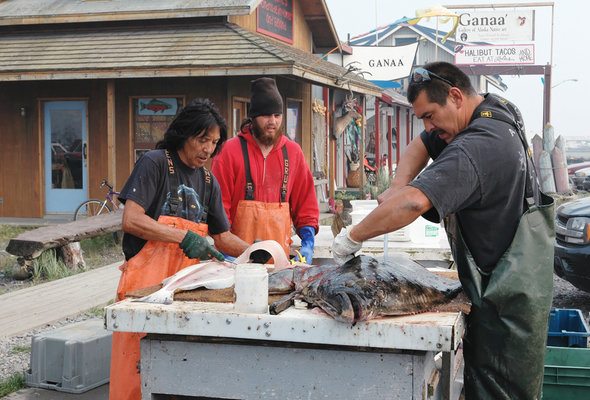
column 377, row 134
column 547, row 96
column 111, row 155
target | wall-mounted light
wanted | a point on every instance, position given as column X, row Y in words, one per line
column 23, row 111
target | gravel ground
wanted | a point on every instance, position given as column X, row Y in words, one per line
column 15, row 351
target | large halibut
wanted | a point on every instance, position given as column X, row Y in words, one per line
column 364, row 288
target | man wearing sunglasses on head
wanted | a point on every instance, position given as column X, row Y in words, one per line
column 500, row 226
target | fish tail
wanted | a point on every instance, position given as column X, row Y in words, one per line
column 159, row 297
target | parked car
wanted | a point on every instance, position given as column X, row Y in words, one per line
column 572, row 168
column 572, row 243
column 579, row 176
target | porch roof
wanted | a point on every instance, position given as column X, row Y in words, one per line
column 27, row 12
column 212, row 49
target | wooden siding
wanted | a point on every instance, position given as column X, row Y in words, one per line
column 240, row 87
column 22, row 177
column 189, row 88
column 302, row 38
column 22, row 154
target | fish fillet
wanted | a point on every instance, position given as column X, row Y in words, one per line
column 273, row 248
column 213, row 274
column 210, row 275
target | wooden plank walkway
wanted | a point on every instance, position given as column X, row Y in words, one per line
column 35, row 306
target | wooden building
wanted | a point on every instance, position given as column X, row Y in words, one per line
column 87, row 86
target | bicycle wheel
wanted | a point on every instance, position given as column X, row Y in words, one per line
column 90, row 208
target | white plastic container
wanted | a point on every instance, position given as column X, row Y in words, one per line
column 251, row 289
column 424, row 232
column 362, row 208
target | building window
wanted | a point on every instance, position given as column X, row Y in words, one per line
column 151, row 118
column 402, row 41
column 293, row 120
column 240, row 109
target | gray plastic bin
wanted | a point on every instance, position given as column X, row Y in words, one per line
column 72, row 359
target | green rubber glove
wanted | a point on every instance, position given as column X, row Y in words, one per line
column 195, row 246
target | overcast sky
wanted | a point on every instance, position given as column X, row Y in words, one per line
column 570, row 55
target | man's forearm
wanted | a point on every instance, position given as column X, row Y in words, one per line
column 230, row 244
column 413, row 160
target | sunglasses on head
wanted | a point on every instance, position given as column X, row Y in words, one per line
column 421, row 75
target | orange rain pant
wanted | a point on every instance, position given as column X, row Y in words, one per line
column 256, row 220
column 155, row 262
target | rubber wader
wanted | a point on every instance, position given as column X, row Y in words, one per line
column 506, row 335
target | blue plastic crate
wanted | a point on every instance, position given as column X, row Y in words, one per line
column 567, row 328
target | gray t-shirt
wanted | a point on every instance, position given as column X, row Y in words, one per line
column 479, row 176
column 149, row 186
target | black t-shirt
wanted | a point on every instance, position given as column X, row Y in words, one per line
column 480, row 176
column 148, row 185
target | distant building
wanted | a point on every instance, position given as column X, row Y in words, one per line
column 577, row 149
column 386, row 137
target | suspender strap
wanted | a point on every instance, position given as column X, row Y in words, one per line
column 515, row 121
column 172, row 183
column 250, row 183
column 285, row 175
column 207, row 195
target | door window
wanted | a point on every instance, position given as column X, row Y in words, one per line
column 66, row 149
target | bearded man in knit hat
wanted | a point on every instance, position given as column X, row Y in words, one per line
column 266, row 185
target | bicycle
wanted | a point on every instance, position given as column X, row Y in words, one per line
column 92, row 207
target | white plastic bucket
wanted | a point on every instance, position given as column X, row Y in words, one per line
column 251, row 289
column 362, row 208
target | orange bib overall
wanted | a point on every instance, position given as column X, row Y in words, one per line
column 155, row 262
column 257, row 220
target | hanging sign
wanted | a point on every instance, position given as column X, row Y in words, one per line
column 275, row 19
column 495, row 54
column 496, row 26
column 382, row 63
column 157, row 106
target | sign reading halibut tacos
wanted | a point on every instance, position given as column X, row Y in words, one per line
column 275, row 19
column 495, row 54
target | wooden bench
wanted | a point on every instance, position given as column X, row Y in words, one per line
column 66, row 237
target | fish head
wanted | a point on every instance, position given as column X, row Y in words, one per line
column 338, row 307
column 344, row 303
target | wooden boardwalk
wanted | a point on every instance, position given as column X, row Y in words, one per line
column 35, row 306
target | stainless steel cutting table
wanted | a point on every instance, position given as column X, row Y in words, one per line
column 207, row 350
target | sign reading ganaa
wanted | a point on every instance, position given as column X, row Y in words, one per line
column 496, row 54
column 496, row 26
column 383, row 63
column 275, row 19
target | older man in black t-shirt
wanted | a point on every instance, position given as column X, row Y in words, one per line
column 499, row 225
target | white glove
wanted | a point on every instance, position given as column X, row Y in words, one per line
column 343, row 247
